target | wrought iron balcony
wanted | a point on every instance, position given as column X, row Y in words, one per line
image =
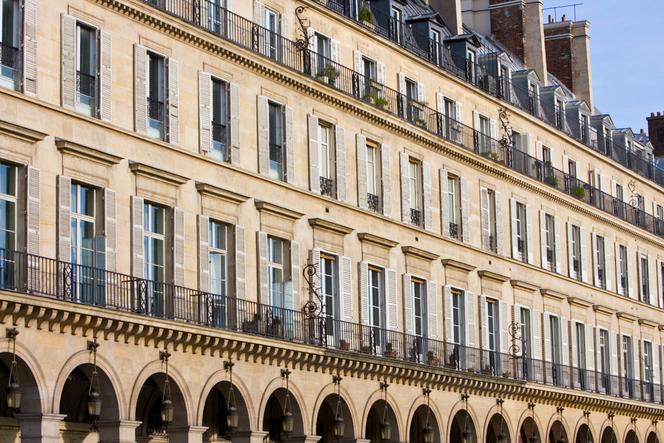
column 327, row 187
column 373, row 202
column 454, row 230
column 416, row 217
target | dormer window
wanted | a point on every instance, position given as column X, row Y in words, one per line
column 396, row 29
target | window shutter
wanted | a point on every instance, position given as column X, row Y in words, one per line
column 391, row 285
column 529, row 236
column 539, row 150
column 68, row 62
column 173, row 103
column 178, row 246
column 263, row 292
column 238, row 263
column 440, row 103
column 64, row 218
column 314, row 260
column 515, row 249
column 361, row 142
column 235, row 123
column 258, row 12
column 290, row 156
column 465, row 209
column 203, row 253
column 106, row 76
column 385, row 178
column 616, row 247
column 459, row 114
column 380, row 72
column 444, row 206
column 30, row 47
column 575, row 340
column 263, row 136
column 335, row 50
column 652, row 282
column 33, row 206
column 364, row 292
column 110, row 228
column 311, row 35
column 637, row 354
column 590, row 348
column 499, row 223
column 314, row 169
column 140, row 89
column 558, row 238
column 547, row 337
column 594, row 264
column 408, row 304
column 504, row 327
column 542, row 220
column 405, row 181
column 607, row 266
column 613, row 344
column 527, row 145
column 570, row 251
column 484, row 319
column 476, row 121
column 486, row 229
column 204, row 111
column 357, row 62
column 493, row 128
column 447, row 305
column 584, row 255
column 655, row 363
column 426, row 188
column 295, row 273
column 345, row 266
column 138, row 255
column 536, row 322
column 470, row 318
column 340, row 164
column 564, row 334
column 432, row 310
column 631, row 279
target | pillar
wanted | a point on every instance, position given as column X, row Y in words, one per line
column 123, row 431
column 40, row 428
column 186, row 434
column 249, row 436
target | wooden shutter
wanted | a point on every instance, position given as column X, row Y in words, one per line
column 239, row 262
column 346, row 277
column 68, row 62
column 30, row 47
column 380, row 72
column 444, row 206
column 470, row 318
column 486, row 229
column 64, row 218
column 385, row 179
column 513, row 230
column 33, row 206
column 290, row 155
column 405, row 181
column 504, row 321
column 263, row 290
column 263, row 135
column 614, row 340
column 570, row 250
column 110, row 228
column 536, row 322
column 335, row 50
column 340, row 147
column 449, row 321
column 402, row 93
column 138, row 254
column 607, row 274
column 493, row 128
column 106, row 76
column 655, row 363
column 204, row 111
column 235, row 123
column 547, row 338
column 499, row 223
column 203, row 253
column 364, row 292
column 408, row 304
column 140, row 89
column 631, row 279
column 564, row 340
column 593, row 263
column 432, row 310
column 464, row 195
column 173, row 103
column 361, row 142
column 359, row 68
column 426, row 189
column 590, row 348
column 295, row 273
column 529, row 236
column 558, row 227
column 391, row 298
column 584, row 255
column 542, row 221
column 484, row 322
column 178, row 246
column 314, row 151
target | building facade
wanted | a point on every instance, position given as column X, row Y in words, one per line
column 260, row 220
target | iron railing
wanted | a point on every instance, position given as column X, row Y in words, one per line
column 10, row 62
column 86, row 88
column 327, row 187
column 373, row 202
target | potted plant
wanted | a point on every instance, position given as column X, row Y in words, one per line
column 506, row 374
column 487, row 370
column 389, row 351
column 344, row 345
column 452, row 361
column 551, row 180
column 579, row 192
column 421, row 122
column 366, row 16
column 366, row 349
column 380, row 102
column 432, row 359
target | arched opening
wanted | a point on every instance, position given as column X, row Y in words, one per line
column 529, row 433
column 332, row 406
column 215, row 413
column 149, row 407
column 424, row 422
column 608, row 436
column 380, row 422
column 557, row 434
column 74, row 402
column 584, row 435
column 631, row 437
column 462, row 429
column 273, row 418
column 497, row 431
column 652, row 438
column 30, row 400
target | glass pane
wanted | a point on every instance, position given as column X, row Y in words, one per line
column 7, row 179
column 86, row 201
column 276, row 250
column 157, row 253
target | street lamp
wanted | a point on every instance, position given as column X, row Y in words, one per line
column 166, row 401
column 427, row 432
column 13, row 389
column 385, row 427
column 232, row 416
column 287, row 421
column 466, row 434
column 535, row 437
column 339, row 425
column 94, row 396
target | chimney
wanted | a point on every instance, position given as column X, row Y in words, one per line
column 656, row 133
column 582, row 76
column 450, row 11
column 535, row 54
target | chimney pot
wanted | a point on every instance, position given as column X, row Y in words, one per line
column 562, row 18
column 652, row 114
column 659, row 113
column 643, row 131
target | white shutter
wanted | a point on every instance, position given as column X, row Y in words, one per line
column 616, row 248
column 564, row 340
column 290, row 155
column 440, row 103
column 444, row 206
column 426, row 187
column 513, row 223
column 547, row 337
column 590, row 347
column 138, row 254
column 263, row 290
column 559, row 242
column 359, row 68
column 30, row 47
column 110, row 229
column 459, row 112
column 408, row 304
column 631, row 279
column 391, row 286
column 173, row 102
column 203, row 253
column 476, row 121
column 311, row 36
column 68, row 62
column 529, row 236
column 235, row 123
column 346, row 276
column 239, row 263
column 263, row 135
column 405, row 181
column 655, row 363
column 178, row 246
column 447, row 305
column 470, row 318
column 613, row 344
column 570, row 251
column 64, row 218
column 484, row 322
column 486, row 229
column 380, row 72
column 340, row 143
column 258, row 12
column 465, row 209
column 140, row 89
column 204, row 111
column 335, row 50
column 32, row 205
column 536, row 322
column 499, row 223
column 314, row 150
column 504, row 327
column 575, row 340
column 364, row 292
column 539, row 150
column 385, row 178
column 607, row 265
column 584, row 255
column 432, row 310
column 295, row 273
column 542, row 220
column 526, row 145
column 106, row 76
column 420, row 92
column 652, row 282
column 594, row 264
column 493, row 128
column 361, row 142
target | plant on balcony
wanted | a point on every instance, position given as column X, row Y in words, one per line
column 366, row 349
column 344, row 345
column 579, row 192
column 389, row 351
column 329, row 72
column 551, row 180
column 366, row 16
column 491, row 155
column 506, row 374
column 486, row 370
column 420, row 122
column 432, row 359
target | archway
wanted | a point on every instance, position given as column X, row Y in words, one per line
column 30, row 398
column 149, row 406
column 584, row 434
column 631, row 437
column 609, row 436
column 652, row 438
column 332, row 406
column 557, row 434
column 424, row 421
column 529, row 433
column 215, row 412
column 497, row 431
column 273, row 418
column 462, row 429
column 381, row 420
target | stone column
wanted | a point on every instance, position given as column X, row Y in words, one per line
column 123, row 431
column 303, row 439
column 249, row 436
column 186, row 434
column 40, row 428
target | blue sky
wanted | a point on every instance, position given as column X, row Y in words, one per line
column 627, row 56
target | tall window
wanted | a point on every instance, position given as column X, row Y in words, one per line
column 218, row 259
column 86, row 70
column 376, row 302
column 600, row 261
column 556, row 347
column 458, row 318
column 370, row 86
column 7, row 223
column 220, row 120
column 575, row 249
column 623, row 277
column 489, row 222
column 454, row 206
column 434, row 46
column 415, row 192
column 329, row 289
column 492, row 333
column 277, row 155
column 628, row 364
column 156, row 96
column 521, row 232
column 450, row 127
column 550, row 242
column 154, row 250
column 560, row 113
column 483, row 134
column 580, row 345
column 471, row 66
column 411, row 101
column 326, row 159
column 644, row 275
column 323, row 55
column 418, row 293
column 647, row 362
column 276, row 272
column 395, row 24
column 525, row 329
column 216, row 16
column 82, row 224
column 604, row 359
column 272, row 25
column 10, row 34
column 504, row 82
column 374, row 183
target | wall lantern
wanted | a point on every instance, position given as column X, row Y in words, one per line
column 232, row 416
column 166, row 401
column 94, row 396
column 385, row 427
column 287, row 421
column 13, row 389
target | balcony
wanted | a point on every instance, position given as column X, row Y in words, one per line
column 327, row 187
column 455, row 232
column 373, row 203
column 86, row 93
column 416, row 217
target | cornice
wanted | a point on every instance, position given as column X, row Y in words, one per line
column 576, row 301
column 87, row 152
column 627, row 317
column 21, row 132
column 645, row 322
column 553, row 295
column 271, row 208
column 523, row 285
column 223, row 194
column 603, row 310
column 152, row 172
column 419, row 253
column 327, row 225
column 458, row 265
column 489, row 275
column 366, row 237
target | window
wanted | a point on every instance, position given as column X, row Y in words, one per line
column 374, row 182
column 156, row 96
column 504, row 82
column 413, row 111
column 489, row 222
column 644, row 276
column 415, row 192
column 396, row 30
column 604, row 359
column 623, row 277
column 533, row 99
column 86, row 70
column 370, row 69
column 458, row 318
column 628, row 364
column 376, row 301
column 277, row 154
column 600, row 262
column 580, row 331
column 492, row 334
column 418, row 292
column 585, row 123
column 549, row 243
column 521, row 232
column 153, row 241
column 329, row 289
column 483, row 134
column 434, row 46
column 84, row 249
column 326, row 159
column 454, row 206
column 647, row 362
column 277, row 263
column 556, row 349
column 471, row 66
column 216, row 16
column 323, row 47
column 218, row 238
column 618, row 203
column 8, row 214
column 450, row 126
column 560, row 113
column 272, row 25
column 575, row 252
column 661, row 279
column 526, row 332
column 571, row 168
column 10, row 35
column 220, row 120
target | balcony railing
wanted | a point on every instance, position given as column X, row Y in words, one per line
column 373, row 202
column 327, row 187
column 416, row 217
column 49, row 278
column 454, row 230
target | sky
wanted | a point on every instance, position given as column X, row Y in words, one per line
column 627, row 56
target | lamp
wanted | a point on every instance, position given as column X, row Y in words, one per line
column 287, row 421
column 535, row 437
column 166, row 402
column 502, row 436
column 427, row 431
column 466, row 434
column 232, row 416
column 339, row 426
column 94, row 396
column 385, row 427
column 13, row 389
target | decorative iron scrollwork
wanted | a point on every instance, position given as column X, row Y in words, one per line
column 504, row 116
column 302, row 42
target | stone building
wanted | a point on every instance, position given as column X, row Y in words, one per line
column 304, row 220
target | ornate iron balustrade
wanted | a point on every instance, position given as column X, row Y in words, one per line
column 416, row 217
column 327, row 187
column 454, row 230
column 373, row 202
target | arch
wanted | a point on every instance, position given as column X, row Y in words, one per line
column 424, row 417
column 215, row 411
column 331, row 406
column 462, row 428
column 497, row 430
column 435, row 419
column 274, row 385
column 557, row 433
column 32, row 398
column 393, row 404
column 240, row 389
column 277, row 402
column 148, row 405
column 609, row 435
column 73, row 396
column 329, row 389
column 584, row 434
column 529, row 431
column 631, row 437
column 381, row 413
column 652, row 437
